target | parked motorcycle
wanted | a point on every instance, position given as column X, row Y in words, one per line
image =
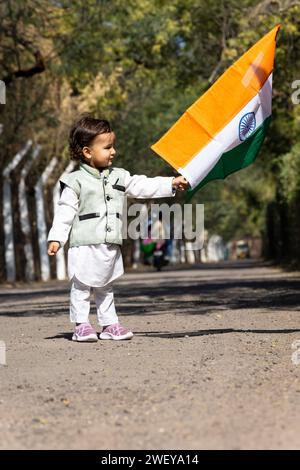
column 154, row 253
column 159, row 259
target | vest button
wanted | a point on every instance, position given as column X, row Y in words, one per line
column 108, row 229
column 108, row 198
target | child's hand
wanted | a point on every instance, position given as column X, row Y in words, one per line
column 180, row 183
column 53, row 248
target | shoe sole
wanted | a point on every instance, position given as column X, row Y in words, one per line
column 85, row 339
column 115, row 338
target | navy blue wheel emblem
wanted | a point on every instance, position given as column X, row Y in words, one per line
column 247, row 125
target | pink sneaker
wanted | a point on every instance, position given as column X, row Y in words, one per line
column 84, row 333
column 116, row 332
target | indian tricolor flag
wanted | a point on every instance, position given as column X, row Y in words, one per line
column 223, row 130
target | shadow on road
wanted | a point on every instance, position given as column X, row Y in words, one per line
column 184, row 334
column 221, row 331
column 197, row 291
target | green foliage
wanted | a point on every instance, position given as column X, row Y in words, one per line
column 141, row 63
column 289, row 174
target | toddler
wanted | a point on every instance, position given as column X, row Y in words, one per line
column 90, row 211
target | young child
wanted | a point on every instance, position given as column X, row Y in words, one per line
column 90, row 209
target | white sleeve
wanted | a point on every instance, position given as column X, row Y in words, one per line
column 140, row 186
column 64, row 214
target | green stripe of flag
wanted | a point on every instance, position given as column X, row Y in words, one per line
column 236, row 159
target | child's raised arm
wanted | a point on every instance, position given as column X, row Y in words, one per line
column 140, row 186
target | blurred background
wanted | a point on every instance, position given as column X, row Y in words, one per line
column 140, row 64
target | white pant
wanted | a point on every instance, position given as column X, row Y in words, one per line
column 80, row 303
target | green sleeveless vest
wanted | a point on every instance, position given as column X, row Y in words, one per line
column 101, row 202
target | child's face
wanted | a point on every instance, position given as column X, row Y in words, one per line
column 101, row 152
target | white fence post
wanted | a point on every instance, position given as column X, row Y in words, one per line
column 182, row 251
column 61, row 273
column 9, row 248
column 41, row 219
column 24, row 217
column 190, row 254
column 136, row 254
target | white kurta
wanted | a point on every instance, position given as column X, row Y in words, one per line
column 100, row 264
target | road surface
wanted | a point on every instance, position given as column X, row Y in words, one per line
column 211, row 365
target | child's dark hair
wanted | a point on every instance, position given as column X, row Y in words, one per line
column 83, row 133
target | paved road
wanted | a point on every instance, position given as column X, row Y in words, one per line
column 210, row 366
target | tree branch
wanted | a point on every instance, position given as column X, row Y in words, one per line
column 39, row 67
